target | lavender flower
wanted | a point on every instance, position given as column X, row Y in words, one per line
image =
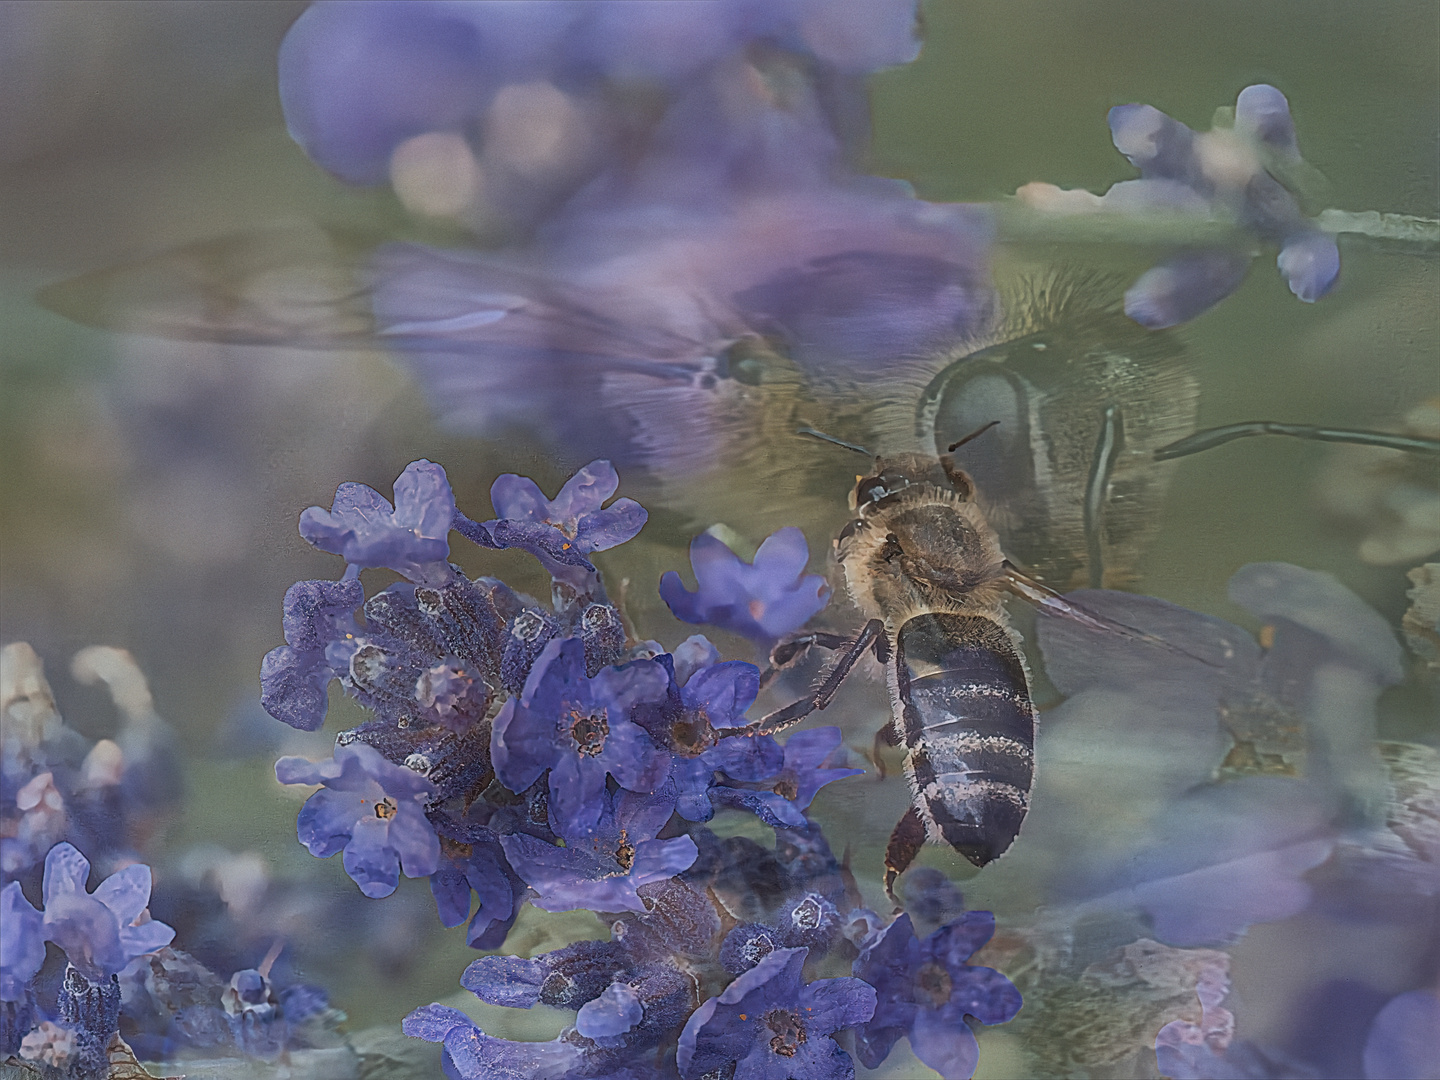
column 580, row 729
column 370, row 809
column 562, row 531
column 100, row 932
column 768, row 1024
column 1243, row 173
column 320, row 631
column 470, row 1054
column 479, row 866
column 813, row 759
column 763, row 601
column 411, row 537
column 603, row 869
column 926, row 989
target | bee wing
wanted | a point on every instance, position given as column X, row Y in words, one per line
column 299, row 286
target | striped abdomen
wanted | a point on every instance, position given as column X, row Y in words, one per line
column 968, row 725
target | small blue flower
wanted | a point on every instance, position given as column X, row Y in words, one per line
column 580, row 729
column 22, row 943
column 102, row 931
column 470, row 1054
column 560, row 532
column 369, row 808
column 321, row 632
column 763, row 601
column 412, row 537
column 813, row 759
column 926, row 989
column 479, row 866
column 602, row 870
column 769, row 1024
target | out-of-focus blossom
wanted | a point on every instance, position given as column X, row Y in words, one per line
column 1421, row 622
column 1235, row 761
column 369, row 808
column 102, row 931
column 768, row 1023
column 562, row 531
column 470, row 1054
column 22, row 942
column 926, row 989
column 412, row 537
column 602, row 869
column 580, row 729
column 1237, row 173
column 763, row 600
column 813, row 759
column 41, row 824
column 1404, row 1040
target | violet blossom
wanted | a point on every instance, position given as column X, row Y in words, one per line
column 763, row 600
column 369, row 808
column 813, row 758
column 320, row 635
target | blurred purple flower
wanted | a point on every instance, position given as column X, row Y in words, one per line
column 926, row 989
column 369, row 808
column 770, row 1024
column 813, row 759
column 1404, row 1040
column 1242, row 173
column 1289, row 728
column 580, row 729
column 22, row 943
column 320, row 630
column 763, row 601
column 562, row 531
column 602, row 870
column 470, row 1054
column 102, row 931
column 412, row 537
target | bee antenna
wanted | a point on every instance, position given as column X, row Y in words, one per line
column 973, row 435
column 832, row 439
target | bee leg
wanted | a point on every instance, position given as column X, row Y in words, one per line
column 1210, row 437
column 1108, row 445
column 871, row 637
column 884, row 737
column 788, row 653
column 905, row 843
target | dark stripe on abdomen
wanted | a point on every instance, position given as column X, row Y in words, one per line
column 970, row 727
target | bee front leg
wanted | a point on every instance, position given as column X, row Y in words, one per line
column 872, row 637
column 786, row 654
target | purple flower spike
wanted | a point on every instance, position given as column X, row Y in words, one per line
column 102, row 931
column 926, row 989
column 770, row 1024
column 22, row 942
column 470, row 1054
column 813, row 759
column 580, row 729
column 763, row 601
column 602, row 871
column 370, row 809
column 412, row 537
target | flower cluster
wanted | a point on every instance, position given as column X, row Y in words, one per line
column 1245, row 170
column 519, row 752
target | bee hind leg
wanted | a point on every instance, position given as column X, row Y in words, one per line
column 905, row 843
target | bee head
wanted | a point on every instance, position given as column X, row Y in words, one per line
column 907, row 473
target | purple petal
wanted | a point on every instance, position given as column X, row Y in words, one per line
column 66, row 872
column 522, row 745
column 947, row 1047
column 1404, row 1040
column 413, row 837
column 145, row 938
column 87, row 931
column 126, row 893
column 585, row 492
column 293, row 687
column 452, row 895
column 614, row 1012
column 1155, row 144
column 656, row 860
column 724, row 691
column 1310, row 263
column 369, row 860
column 518, row 498
column 577, row 786
column 424, row 502
column 433, row 1022
column 833, row 1004
column 1181, row 288
column 22, row 942
column 632, row 757
column 983, row 993
column 1263, row 112
column 957, row 941
column 608, row 528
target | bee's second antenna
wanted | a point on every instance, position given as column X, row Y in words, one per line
column 973, row 435
column 814, row 434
